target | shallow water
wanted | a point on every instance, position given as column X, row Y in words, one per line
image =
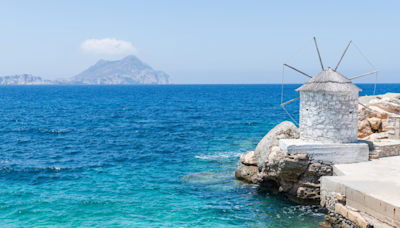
column 140, row 156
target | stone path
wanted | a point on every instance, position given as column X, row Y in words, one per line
column 371, row 187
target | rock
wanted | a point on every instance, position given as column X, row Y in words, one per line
column 291, row 167
column 312, row 176
column 387, row 103
column 284, row 169
column 275, row 157
column 363, row 113
column 275, row 153
column 285, row 186
column 379, row 113
column 374, row 122
column 364, row 129
column 287, row 168
column 284, row 130
column 391, row 95
column 293, row 174
column 262, row 179
column 366, row 99
column 319, row 170
column 248, row 159
column 384, row 126
column 308, row 193
column 376, row 137
column 246, row 173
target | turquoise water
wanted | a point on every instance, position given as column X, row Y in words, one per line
column 140, row 156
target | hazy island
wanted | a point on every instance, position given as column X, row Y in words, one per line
column 127, row 71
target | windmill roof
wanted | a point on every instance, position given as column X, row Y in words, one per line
column 329, row 80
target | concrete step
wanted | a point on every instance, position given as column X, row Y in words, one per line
column 370, row 187
column 375, row 154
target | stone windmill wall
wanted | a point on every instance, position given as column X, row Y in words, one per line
column 328, row 117
column 328, row 109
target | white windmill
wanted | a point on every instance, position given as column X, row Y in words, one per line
column 328, row 117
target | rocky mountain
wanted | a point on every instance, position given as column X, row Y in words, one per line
column 127, row 71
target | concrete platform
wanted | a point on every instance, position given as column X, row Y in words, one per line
column 370, row 187
column 327, row 153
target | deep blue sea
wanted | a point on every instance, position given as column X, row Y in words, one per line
column 141, row 156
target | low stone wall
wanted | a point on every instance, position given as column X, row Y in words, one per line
column 389, row 150
column 385, row 148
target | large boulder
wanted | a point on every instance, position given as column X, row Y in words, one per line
column 248, row 159
column 284, row 130
column 245, row 173
column 364, row 129
column 384, row 126
column 379, row 113
column 375, row 117
column 363, row 113
column 388, row 104
column 375, row 123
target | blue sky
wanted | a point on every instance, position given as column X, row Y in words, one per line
column 205, row 42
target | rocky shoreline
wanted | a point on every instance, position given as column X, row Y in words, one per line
column 295, row 175
column 300, row 177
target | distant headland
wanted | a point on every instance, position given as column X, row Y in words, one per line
column 127, row 71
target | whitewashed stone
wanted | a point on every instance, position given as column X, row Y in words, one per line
column 332, row 119
column 334, row 153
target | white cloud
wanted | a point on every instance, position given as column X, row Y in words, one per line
column 108, row 46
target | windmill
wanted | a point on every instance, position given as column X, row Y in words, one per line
column 328, row 75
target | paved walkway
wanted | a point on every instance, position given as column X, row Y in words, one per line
column 372, row 187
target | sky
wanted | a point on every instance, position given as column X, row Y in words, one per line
column 202, row 42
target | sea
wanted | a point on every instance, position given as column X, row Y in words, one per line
column 142, row 156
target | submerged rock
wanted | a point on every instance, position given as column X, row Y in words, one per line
column 203, row 178
column 284, row 130
column 248, row 159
